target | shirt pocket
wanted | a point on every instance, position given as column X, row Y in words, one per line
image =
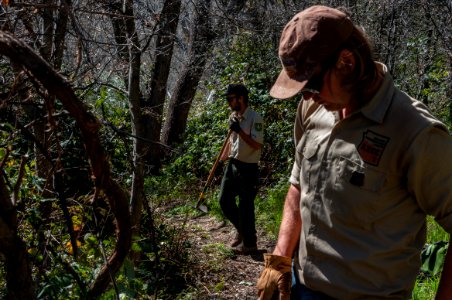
column 355, row 197
column 351, row 174
column 308, row 157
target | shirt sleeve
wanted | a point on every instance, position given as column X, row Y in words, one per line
column 430, row 174
column 298, row 133
column 295, row 175
column 257, row 132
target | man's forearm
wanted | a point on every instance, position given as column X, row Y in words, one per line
column 225, row 154
column 445, row 285
column 289, row 231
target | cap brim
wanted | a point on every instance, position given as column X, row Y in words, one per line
column 286, row 87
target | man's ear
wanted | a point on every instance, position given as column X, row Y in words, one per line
column 346, row 61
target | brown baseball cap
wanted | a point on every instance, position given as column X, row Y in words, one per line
column 310, row 38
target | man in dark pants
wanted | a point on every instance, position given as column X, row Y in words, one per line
column 241, row 174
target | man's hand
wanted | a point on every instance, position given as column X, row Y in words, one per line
column 234, row 125
column 275, row 278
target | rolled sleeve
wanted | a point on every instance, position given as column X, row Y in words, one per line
column 257, row 131
column 295, row 175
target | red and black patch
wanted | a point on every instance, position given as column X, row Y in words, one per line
column 372, row 146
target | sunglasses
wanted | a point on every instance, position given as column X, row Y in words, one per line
column 315, row 83
column 230, row 98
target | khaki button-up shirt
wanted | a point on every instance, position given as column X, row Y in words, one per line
column 252, row 124
column 367, row 183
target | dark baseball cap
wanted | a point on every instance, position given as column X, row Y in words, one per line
column 308, row 40
column 236, row 89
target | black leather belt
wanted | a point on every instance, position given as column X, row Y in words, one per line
column 241, row 163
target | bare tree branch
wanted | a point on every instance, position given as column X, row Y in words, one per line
column 57, row 86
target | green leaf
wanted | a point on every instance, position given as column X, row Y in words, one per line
column 433, row 257
column 136, row 247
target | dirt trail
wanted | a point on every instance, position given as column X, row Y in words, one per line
column 226, row 276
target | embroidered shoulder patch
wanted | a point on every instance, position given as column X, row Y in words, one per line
column 372, row 146
column 258, row 126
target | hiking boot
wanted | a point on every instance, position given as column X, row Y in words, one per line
column 241, row 249
column 237, row 240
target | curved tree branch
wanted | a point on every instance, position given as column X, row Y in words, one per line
column 57, row 86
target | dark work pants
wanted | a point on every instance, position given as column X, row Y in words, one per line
column 301, row 292
column 240, row 180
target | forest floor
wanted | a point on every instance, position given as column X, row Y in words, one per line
column 220, row 273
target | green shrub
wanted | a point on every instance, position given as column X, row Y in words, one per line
column 269, row 206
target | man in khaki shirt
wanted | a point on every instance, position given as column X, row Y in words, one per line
column 241, row 173
column 370, row 164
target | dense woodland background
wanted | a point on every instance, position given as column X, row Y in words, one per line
column 111, row 115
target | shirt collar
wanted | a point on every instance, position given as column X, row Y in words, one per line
column 245, row 115
column 377, row 107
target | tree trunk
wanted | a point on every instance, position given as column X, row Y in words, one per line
column 155, row 99
column 129, row 52
column 49, row 26
column 60, row 32
column 140, row 147
column 187, row 83
column 120, row 34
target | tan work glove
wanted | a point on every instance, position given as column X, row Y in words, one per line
column 275, row 278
